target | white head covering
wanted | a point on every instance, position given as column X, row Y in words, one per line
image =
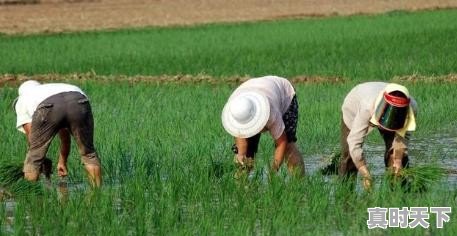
column 246, row 114
column 27, row 86
column 410, row 122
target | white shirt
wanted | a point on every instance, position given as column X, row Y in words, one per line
column 279, row 92
column 29, row 101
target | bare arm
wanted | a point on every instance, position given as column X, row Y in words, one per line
column 242, row 146
column 281, row 144
column 27, row 128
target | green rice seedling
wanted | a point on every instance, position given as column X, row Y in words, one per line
column 355, row 47
column 12, row 178
column 168, row 167
column 10, row 172
column 332, row 167
column 218, row 168
column 24, row 187
column 418, row 178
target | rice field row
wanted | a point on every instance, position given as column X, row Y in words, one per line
column 168, row 167
column 356, row 47
column 166, row 158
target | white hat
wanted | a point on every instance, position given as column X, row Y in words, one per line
column 410, row 122
column 246, row 114
column 27, row 85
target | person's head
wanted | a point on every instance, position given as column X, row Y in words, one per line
column 27, row 86
column 246, row 114
column 393, row 111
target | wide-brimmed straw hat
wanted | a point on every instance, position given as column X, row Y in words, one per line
column 246, row 114
column 387, row 104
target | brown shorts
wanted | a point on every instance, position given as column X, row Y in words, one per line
column 69, row 110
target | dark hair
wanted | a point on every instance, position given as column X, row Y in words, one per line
column 397, row 93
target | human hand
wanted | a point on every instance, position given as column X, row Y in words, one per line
column 275, row 166
column 367, row 184
column 239, row 159
column 243, row 162
column 366, row 177
column 62, row 169
column 395, row 171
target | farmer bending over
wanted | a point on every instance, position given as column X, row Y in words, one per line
column 390, row 109
column 43, row 110
column 261, row 104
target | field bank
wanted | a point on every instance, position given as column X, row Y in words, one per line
column 167, row 162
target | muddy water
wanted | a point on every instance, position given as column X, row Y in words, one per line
column 440, row 148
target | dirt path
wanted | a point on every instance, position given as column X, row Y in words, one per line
column 74, row 15
column 15, row 80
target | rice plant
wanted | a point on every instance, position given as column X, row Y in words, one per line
column 418, row 178
column 166, row 158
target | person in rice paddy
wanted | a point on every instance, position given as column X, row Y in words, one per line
column 258, row 105
column 385, row 106
column 45, row 110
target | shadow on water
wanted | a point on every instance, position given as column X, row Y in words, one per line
column 62, row 186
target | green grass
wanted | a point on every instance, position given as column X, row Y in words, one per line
column 167, row 162
column 161, row 145
column 356, row 47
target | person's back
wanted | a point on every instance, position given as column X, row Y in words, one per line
column 30, row 97
column 360, row 100
column 279, row 91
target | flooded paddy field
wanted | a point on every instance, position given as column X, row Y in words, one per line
column 157, row 96
column 170, row 178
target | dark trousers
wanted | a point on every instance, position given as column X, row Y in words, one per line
column 64, row 110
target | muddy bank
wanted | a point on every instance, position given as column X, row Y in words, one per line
column 14, row 80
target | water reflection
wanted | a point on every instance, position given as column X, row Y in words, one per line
column 440, row 149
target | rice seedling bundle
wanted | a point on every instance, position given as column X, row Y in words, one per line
column 12, row 181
